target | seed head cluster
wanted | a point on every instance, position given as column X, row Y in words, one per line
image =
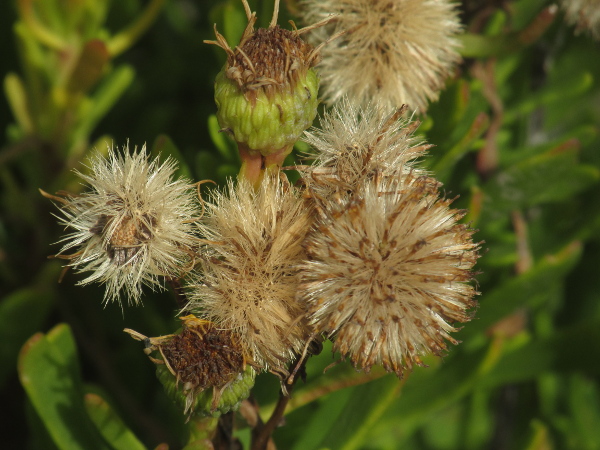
column 248, row 282
column 393, row 51
column 132, row 226
column 388, row 267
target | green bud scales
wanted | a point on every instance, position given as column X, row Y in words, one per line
column 267, row 123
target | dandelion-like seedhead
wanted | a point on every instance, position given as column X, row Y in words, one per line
column 355, row 144
column 249, row 279
column 393, row 52
column 132, row 226
column 388, row 275
column 584, row 14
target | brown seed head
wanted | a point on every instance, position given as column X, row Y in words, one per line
column 388, row 275
column 202, row 355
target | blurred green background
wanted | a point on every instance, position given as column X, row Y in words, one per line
column 515, row 135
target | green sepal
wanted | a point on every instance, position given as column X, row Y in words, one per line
column 231, row 398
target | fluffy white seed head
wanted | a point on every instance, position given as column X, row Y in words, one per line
column 355, row 144
column 584, row 14
column 132, row 227
column 387, row 277
column 393, row 52
column 249, row 278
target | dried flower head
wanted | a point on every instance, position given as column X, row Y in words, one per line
column 198, row 358
column 249, row 273
column 132, row 226
column 387, row 275
column 393, row 52
column 584, row 14
column 356, row 144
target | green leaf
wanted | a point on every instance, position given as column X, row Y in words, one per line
column 578, row 84
column 107, row 94
column 21, row 314
column 584, row 401
column 543, row 178
column 110, row 424
column 461, row 148
column 164, row 146
column 17, row 99
column 565, row 351
column 49, row 373
column 222, row 142
column 528, row 289
column 89, row 67
column 323, row 420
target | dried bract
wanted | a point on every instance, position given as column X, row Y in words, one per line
column 200, row 357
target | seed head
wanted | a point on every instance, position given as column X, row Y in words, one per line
column 393, row 52
column 356, row 144
column 249, row 280
column 132, row 226
column 200, row 358
column 387, row 275
column 585, row 14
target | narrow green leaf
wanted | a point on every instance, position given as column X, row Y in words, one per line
column 324, row 420
column 584, row 404
column 89, row 67
column 524, row 290
column 17, row 99
column 224, row 145
column 367, row 405
column 110, row 424
column 461, row 148
column 565, row 351
column 164, row 146
column 541, row 179
column 21, row 314
column 107, row 94
column 49, row 372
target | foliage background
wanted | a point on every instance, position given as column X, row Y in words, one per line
column 516, row 135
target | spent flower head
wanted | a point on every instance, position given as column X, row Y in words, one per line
column 355, row 144
column 387, row 275
column 584, row 14
column 388, row 265
column 393, row 52
column 201, row 366
column 249, row 280
column 132, row 226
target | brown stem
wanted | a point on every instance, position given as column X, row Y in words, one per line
column 261, row 434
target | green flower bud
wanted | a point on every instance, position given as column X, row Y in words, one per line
column 267, row 92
